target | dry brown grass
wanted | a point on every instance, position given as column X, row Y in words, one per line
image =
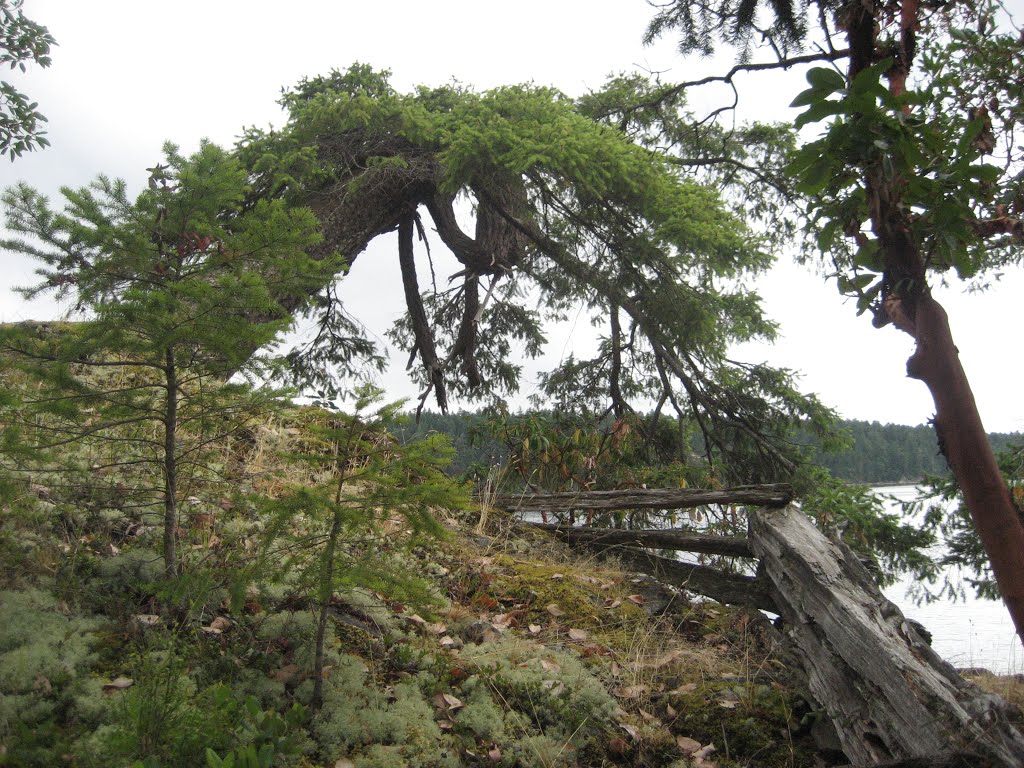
column 1009, row 687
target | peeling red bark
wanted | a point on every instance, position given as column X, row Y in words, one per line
column 936, row 362
column 965, row 445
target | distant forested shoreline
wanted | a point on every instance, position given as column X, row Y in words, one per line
column 879, row 453
column 894, row 453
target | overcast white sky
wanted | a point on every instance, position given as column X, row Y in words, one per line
column 128, row 75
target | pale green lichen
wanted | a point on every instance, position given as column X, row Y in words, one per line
column 44, row 656
column 481, row 718
column 543, row 752
column 551, row 688
column 377, row 729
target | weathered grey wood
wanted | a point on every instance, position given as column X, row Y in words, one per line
column 949, row 760
column 668, row 538
column 889, row 695
column 775, row 495
column 729, row 588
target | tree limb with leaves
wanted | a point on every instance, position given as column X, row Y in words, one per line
column 916, row 174
column 21, row 40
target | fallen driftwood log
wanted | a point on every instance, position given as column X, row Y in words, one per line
column 667, row 538
column 893, row 701
column 773, row 495
column 728, row 588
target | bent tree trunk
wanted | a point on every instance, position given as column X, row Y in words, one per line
column 910, row 306
column 964, row 443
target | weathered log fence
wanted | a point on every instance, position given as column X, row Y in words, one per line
column 892, row 700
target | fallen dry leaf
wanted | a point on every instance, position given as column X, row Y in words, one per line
column 647, row 716
column 437, row 629
column 554, row 610
column 534, row 629
column 494, row 754
column 631, row 691
column 550, row 666
column 631, row 730
column 687, row 745
column 285, row 673
column 451, row 701
column 670, row 710
column 416, row 619
column 593, row 649
column 147, row 619
column 617, row 746
column 612, row 603
column 660, row 661
column 557, row 576
column 119, row 684
column 637, row 599
column 686, row 688
column 555, row 686
column 577, row 635
column 344, row 762
column 447, row 703
column 503, row 621
column 447, row 642
column 702, row 753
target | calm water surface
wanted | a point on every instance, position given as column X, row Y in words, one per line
column 971, row 633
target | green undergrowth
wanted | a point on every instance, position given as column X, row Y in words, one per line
column 469, row 649
column 508, row 661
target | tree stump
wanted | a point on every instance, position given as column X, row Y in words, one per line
column 890, row 697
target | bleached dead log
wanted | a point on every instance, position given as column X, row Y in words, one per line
column 728, row 588
column 890, row 697
column 772, row 495
column 668, row 538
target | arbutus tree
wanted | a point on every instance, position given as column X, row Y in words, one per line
column 569, row 212
column 916, row 174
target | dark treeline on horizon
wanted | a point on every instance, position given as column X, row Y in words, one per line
column 879, row 453
column 894, row 453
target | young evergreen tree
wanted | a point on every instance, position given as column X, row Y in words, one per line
column 178, row 287
column 335, row 530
